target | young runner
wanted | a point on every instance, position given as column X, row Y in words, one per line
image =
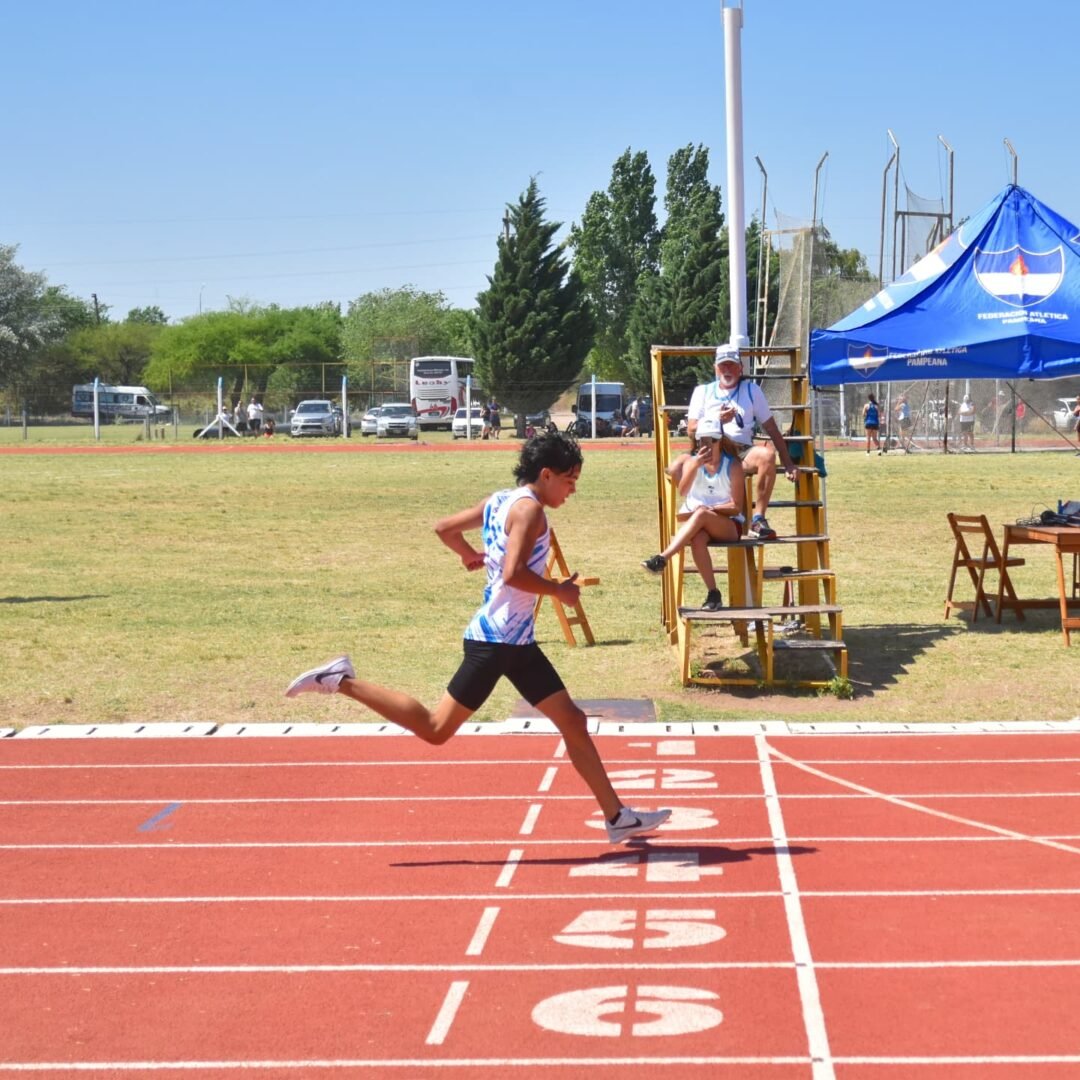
column 500, row 639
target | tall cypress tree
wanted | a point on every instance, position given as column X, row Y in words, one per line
column 617, row 241
column 686, row 303
column 534, row 328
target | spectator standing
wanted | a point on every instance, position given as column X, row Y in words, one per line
column 966, row 419
column 903, row 420
column 254, row 416
column 871, row 415
column 495, row 409
column 240, row 416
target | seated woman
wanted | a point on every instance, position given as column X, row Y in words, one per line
column 712, row 485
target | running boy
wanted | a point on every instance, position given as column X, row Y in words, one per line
column 500, row 639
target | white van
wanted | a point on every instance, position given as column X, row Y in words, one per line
column 610, row 405
column 117, row 403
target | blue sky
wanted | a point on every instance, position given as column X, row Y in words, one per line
column 180, row 155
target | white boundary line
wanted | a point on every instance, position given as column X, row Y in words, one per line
column 580, row 1063
column 905, row 803
column 529, row 725
column 813, row 1017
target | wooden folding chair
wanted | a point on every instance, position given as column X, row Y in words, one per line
column 989, row 558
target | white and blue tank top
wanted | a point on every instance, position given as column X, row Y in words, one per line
column 506, row 615
column 710, row 488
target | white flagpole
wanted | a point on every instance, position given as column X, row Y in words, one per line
column 736, row 211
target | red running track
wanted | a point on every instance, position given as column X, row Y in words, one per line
column 869, row 907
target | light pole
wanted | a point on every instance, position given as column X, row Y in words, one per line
column 201, row 287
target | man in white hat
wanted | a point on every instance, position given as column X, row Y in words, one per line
column 739, row 404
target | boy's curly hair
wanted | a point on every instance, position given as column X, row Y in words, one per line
column 554, row 450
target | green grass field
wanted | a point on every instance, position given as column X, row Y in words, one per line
column 159, row 586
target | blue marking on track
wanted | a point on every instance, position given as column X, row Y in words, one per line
column 161, row 820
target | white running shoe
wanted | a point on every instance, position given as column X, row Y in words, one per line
column 322, row 680
column 631, row 822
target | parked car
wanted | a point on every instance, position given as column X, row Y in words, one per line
column 1063, row 415
column 476, row 423
column 369, row 422
column 396, row 421
column 315, row 417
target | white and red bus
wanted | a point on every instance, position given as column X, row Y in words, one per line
column 437, row 388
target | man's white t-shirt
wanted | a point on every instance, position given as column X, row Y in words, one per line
column 751, row 407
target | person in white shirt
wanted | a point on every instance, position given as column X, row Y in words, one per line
column 739, row 404
column 254, row 416
column 967, row 425
column 711, row 484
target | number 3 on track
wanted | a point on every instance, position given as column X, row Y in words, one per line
column 675, row 1010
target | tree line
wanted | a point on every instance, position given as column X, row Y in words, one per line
column 551, row 312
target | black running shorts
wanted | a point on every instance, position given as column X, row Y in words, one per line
column 528, row 669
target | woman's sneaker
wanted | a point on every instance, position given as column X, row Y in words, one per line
column 713, row 601
column 632, row 822
column 322, row 680
column 760, row 529
column 655, row 565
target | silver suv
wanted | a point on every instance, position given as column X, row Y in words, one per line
column 317, row 417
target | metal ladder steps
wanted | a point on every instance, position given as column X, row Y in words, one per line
column 808, row 645
column 820, row 538
column 779, row 573
column 752, row 614
column 772, row 573
column 790, row 504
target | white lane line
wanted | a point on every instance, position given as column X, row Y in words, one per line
column 443, row 1022
column 482, row 932
column 529, row 823
column 582, row 1064
column 434, row 969
column 898, row 800
column 549, row 778
column 813, row 1017
column 424, row 898
column 397, row 800
column 255, row 845
column 428, row 898
column 560, row 751
column 506, row 874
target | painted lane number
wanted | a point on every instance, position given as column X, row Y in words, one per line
column 603, row 1011
column 665, row 928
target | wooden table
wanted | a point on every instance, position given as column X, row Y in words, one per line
column 1065, row 539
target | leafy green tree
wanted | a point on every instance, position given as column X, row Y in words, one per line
column 35, row 317
column 534, row 328
column 249, row 346
column 395, row 325
column 841, row 280
column 617, row 241
column 686, row 302
column 151, row 316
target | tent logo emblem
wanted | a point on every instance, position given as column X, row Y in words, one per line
column 1018, row 277
column 866, row 359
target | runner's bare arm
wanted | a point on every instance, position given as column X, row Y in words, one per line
column 524, row 525
column 451, row 531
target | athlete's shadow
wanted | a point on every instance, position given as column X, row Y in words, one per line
column 48, row 599
column 706, row 856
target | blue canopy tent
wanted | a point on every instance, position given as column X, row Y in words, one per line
column 998, row 299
